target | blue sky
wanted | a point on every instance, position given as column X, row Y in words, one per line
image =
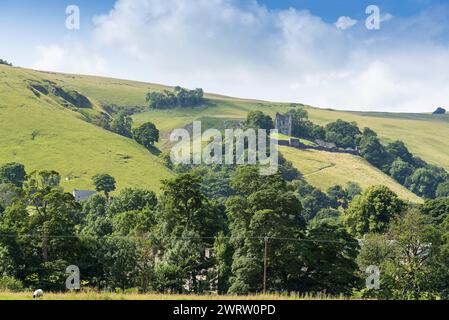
column 290, row 50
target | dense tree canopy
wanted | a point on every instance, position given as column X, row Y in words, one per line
column 344, row 134
column 443, row 190
column 372, row 211
column 146, row 135
column 180, row 97
column 13, row 173
column 259, row 120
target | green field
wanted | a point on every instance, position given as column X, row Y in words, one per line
column 43, row 135
column 40, row 133
column 325, row 169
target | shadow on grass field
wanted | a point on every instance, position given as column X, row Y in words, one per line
column 149, row 297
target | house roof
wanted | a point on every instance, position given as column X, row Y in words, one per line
column 82, row 195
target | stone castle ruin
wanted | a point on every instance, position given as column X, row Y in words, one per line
column 284, row 123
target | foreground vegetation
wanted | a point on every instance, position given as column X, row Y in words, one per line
column 135, row 296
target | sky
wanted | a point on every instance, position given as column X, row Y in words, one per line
column 317, row 52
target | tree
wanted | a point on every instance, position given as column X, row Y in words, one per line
column 13, row 173
column 338, row 197
column 407, row 256
column 330, row 259
column 259, row 210
column 130, row 199
column 184, row 207
column 259, row 120
column 372, row 211
column 439, row 110
column 437, row 210
column 374, row 152
column 179, row 98
column 146, row 135
column 353, row 189
column 424, row 182
column 343, row 134
column 184, row 266
column 42, row 223
column 313, row 202
column 401, row 170
column 122, row 124
column 104, row 183
column 443, row 190
column 398, row 150
column 8, row 194
column 6, row 63
column 187, row 225
column 327, row 215
column 46, row 179
column 302, row 127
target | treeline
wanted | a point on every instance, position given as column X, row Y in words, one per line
column 394, row 159
column 180, row 97
column 4, row 62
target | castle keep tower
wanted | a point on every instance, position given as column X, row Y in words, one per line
column 283, row 124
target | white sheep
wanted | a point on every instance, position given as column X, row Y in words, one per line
column 38, row 294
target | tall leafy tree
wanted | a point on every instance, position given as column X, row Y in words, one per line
column 146, row 135
column 424, row 181
column 13, row 173
column 104, row 183
column 259, row 120
column 401, row 170
column 443, row 190
column 374, row 152
column 262, row 210
column 372, row 211
column 408, row 257
column 330, row 259
column 344, row 134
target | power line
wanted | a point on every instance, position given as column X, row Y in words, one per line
column 176, row 238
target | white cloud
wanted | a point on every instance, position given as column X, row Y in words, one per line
column 71, row 58
column 285, row 55
column 344, row 23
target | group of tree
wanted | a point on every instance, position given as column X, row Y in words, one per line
column 147, row 134
column 136, row 239
column 180, row 97
column 207, row 229
column 397, row 161
column 408, row 244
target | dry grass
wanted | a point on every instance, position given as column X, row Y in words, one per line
column 325, row 169
column 149, row 297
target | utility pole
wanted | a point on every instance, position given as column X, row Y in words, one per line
column 265, row 266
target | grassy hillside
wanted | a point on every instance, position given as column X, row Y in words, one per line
column 40, row 133
column 43, row 135
column 425, row 134
column 325, row 169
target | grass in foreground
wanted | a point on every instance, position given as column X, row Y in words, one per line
column 149, row 297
